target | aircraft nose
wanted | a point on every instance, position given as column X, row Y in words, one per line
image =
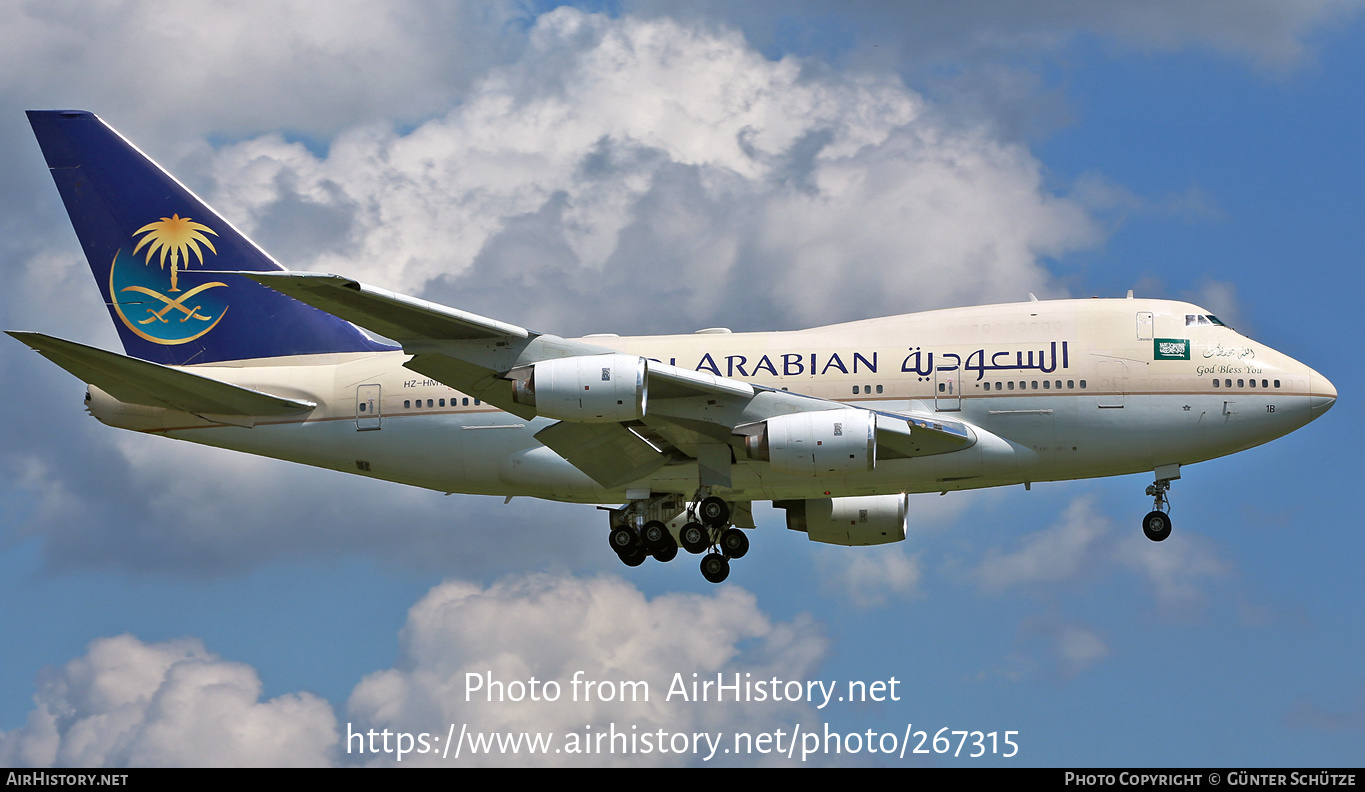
column 1321, row 394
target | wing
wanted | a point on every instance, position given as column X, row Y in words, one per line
column 646, row 415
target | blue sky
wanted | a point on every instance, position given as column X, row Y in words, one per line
column 1210, row 156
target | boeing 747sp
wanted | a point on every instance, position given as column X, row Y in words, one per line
column 837, row 425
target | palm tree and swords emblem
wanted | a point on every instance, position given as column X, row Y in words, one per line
column 171, row 241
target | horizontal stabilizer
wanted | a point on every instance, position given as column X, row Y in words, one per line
column 139, row 382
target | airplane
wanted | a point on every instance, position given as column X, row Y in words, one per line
column 836, row 425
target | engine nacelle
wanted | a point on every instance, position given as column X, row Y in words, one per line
column 867, row 520
column 586, row 388
column 817, row 444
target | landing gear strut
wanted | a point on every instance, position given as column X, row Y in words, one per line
column 1157, row 524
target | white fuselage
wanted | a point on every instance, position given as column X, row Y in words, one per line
column 1062, row 389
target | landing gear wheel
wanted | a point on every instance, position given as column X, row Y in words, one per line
column 715, row 568
column 714, row 512
column 634, row 558
column 655, row 536
column 665, row 554
column 1157, row 526
column 694, row 538
column 623, row 539
column 734, row 543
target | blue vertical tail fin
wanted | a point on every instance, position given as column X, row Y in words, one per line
column 164, row 260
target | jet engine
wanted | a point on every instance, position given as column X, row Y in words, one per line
column 586, row 388
column 868, row 520
column 816, row 444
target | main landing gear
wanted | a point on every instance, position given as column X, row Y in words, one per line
column 707, row 528
column 1157, row 524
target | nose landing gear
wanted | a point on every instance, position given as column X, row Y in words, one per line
column 1157, row 524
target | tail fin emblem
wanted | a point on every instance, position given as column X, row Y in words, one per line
column 171, row 241
column 178, row 303
column 175, row 237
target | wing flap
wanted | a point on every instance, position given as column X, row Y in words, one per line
column 470, row 378
column 610, row 454
column 151, row 384
column 671, row 382
column 916, row 435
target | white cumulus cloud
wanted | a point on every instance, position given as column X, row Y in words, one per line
column 674, row 164
column 602, row 630
column 126, row 703
column 1052, row 555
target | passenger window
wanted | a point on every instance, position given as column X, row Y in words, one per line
column 407, row 403
column 1277, row 383
column 1227, row 383
column 1239, row 384
column 1011, row 384
column 1035, row 384
column 1046, row 385
column 362, row 406
column 1215, row 383
column 466, row 402
column 476, row 401
column 855, row 390
column 879, row 389
column 1071, row 384
column 1082, row 384
column 867, row 389
column 941, row 387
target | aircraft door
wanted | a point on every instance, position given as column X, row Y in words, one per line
column 1144, row 325
column 947, row 390
column 367, row 408
column 1113, row 383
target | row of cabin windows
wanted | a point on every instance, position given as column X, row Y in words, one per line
column 1047, row 385
column 943, row 387
column 409, row 404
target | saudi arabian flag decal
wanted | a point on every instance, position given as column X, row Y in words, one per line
column 1171, row 349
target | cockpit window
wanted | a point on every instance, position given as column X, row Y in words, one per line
column 1200, row 319
column 1214, row 319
